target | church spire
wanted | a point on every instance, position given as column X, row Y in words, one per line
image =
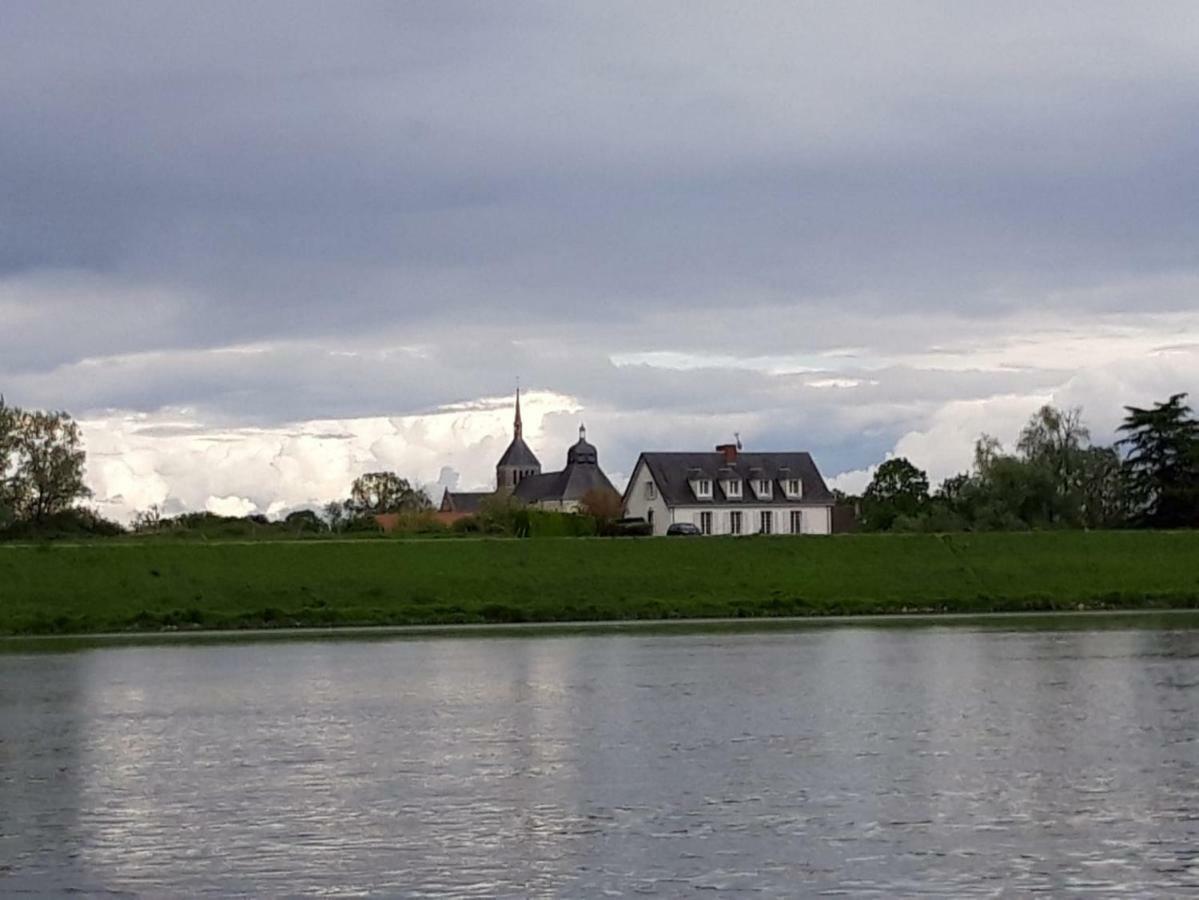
column 517, row 427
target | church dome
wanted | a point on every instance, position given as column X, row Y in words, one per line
column 582, row 453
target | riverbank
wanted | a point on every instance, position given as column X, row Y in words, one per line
column 121, row 586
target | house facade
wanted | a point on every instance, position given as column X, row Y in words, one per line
column 518, row 474
column 731, row 492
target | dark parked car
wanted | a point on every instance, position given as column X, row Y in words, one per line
column 633, row 526
column 683, row 528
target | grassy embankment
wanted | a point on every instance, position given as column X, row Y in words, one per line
column 115, row 586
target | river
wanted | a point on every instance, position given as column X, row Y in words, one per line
column 967, row 760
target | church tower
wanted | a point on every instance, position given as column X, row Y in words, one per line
column 518, row 461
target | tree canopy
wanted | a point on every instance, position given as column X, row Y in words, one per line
column 897, row 489
column 1055, row 478
column 41, row 465
column 8, row 436
column 385, row 492
column 1163, row 463
column 602, row 504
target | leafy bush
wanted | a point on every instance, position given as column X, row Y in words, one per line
column 502, row 514
column 423, row 522
column 467, row 525
column 304, row 521
column 359, row 524
column 71, row 523
column 546, row 524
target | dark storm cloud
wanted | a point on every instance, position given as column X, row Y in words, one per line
column 535, row 188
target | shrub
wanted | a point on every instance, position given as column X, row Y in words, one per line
column 71, row 523
column 502, row 514
column 467, row 525
column 604, row 506
column 423, row 522
column 545, row 524
column 304, row 521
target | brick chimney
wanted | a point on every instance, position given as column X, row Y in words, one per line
column 729, row 451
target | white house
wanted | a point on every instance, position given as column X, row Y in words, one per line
column 730, row 492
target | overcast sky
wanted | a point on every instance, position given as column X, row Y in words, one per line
column 260, row 248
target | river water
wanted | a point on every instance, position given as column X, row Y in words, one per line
column 863, row 761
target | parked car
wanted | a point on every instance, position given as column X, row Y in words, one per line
column 632, row 526
column 684, row 529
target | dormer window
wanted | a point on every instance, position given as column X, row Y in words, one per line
column 764, row 487
column 703, row 487
column 793, row 487
column 732, row 488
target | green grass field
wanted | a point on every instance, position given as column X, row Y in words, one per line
column 122, row 586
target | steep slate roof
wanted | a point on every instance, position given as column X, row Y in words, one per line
column 463, row 502
column 582, row 474
column 518, row 454
column 672, row 472
column 569, row 484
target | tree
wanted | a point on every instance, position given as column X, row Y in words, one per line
column 385, row 492
column 9, row 417
column 1012, row 495
column 1005, row 492
column 1101, row 489
column 335, row 515
column 148, row 520
column 1055, row 442
column 1055, row 436
column 304, row 520
column 1162, row 464
column 987, row 449
column 48, row 476
column 603, row 505
column 897, row 489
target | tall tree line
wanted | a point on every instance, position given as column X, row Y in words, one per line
column 1055, row 478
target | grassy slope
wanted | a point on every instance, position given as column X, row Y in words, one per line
column 117, row 586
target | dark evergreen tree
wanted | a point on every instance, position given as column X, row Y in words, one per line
column 1162, row 464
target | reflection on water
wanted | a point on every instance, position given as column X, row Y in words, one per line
column 867, row 761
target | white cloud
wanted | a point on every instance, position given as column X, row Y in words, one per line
column 1137, row 371
column 851, row 418
column 179, row 463
column 231, row 506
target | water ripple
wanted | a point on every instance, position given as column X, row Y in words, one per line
column 833, row 763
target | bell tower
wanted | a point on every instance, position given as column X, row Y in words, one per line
column 518, row 461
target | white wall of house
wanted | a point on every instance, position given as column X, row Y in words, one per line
column 818, row 520
column 812, row 519
column 644, row 498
